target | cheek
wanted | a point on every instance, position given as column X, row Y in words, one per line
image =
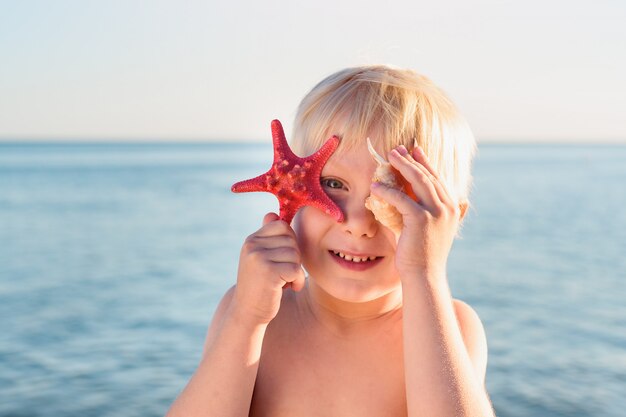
column 309, row 225
column 390, row 237
column 301, row 232
column 301, row 225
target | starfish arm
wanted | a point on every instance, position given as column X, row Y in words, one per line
column 282, row 151
column 287, row 213
column 253, row 184
column 293, row 180
column 317, row 196
column 328, row 206
column 320, row 157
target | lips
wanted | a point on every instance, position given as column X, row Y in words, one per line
column 356, row 262
column 354, row 258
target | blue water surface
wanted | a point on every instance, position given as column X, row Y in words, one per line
column 113, row 257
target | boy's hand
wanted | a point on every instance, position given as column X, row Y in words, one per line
column 429, row 223
column 269, row 262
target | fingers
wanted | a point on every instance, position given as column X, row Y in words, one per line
column 298, row 281
column 422, row 177
column 275, row 250
column 289, row 272
column 272, row 226
column 420, row 157
column 270, row 217
column 419, row 180
column 276, row 240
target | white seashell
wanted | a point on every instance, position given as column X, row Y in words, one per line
column 384, row 212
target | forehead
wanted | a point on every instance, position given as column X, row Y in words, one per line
column 353, row 161
column 354, row 138
column 354, row 133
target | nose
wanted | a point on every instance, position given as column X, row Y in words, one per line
column 358, row 220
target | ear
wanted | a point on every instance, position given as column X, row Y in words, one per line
column 463, row 206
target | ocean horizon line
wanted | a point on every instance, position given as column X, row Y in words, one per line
column 252, row 142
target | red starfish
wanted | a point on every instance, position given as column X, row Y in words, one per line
column 293, row 180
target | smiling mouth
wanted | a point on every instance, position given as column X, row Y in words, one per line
column 355, row 259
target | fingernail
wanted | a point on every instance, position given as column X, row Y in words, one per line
column 402, row 150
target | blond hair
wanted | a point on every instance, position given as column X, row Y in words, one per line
column 397, row 106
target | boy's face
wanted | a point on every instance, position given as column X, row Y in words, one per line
column 330, row 249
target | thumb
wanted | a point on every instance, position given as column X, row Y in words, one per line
column 270, row 217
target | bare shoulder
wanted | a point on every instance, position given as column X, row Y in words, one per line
column 218, row 317
column 474, row 336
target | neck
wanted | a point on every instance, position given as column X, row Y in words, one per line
column 342, row 316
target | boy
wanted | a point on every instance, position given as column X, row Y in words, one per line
column 373, row 329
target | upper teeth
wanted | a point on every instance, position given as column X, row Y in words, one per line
column 354, row 258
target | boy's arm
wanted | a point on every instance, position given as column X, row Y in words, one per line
column 444, row 365
column 440, row 377
column 224, row 380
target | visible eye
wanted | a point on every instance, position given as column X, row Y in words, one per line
column 332, row 183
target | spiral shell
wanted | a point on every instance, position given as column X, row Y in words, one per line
column 384, row 212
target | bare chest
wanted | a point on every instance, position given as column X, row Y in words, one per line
column 307, row 375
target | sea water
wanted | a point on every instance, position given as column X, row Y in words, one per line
column 113, row 257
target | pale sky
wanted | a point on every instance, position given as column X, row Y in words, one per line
column 534, row 70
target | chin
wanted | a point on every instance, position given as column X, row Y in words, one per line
column 352, row 290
